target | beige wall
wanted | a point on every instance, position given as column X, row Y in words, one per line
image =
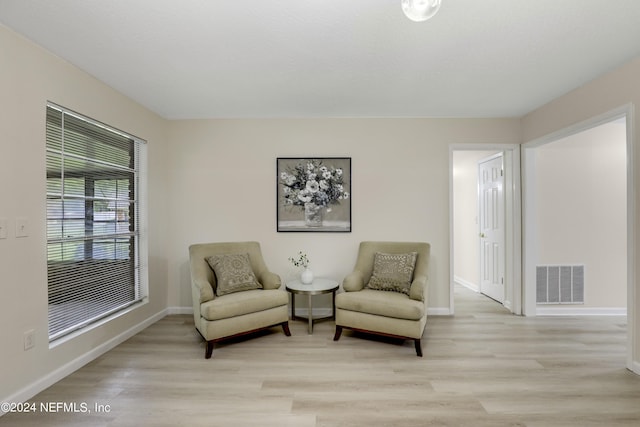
column 29, row 77
column 612, row 90
column 581, row 210
column 223, row 183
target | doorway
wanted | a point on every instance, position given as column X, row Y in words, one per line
column 465, row 234
column 546, row 246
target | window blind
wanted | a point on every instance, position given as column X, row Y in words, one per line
column 93, row 220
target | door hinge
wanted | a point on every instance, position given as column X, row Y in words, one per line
column 501, row 172
column 502, row 280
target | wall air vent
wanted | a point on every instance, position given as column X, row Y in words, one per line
column 560, row 284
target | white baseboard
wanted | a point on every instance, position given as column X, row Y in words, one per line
column 467, row 284
column 36, row 387
column 439, row 311
column 179, row 310
column 635, row 368
column 317, row 312
column 580, row 311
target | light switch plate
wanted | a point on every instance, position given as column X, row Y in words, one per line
column 22, row 227
column 29, row 339
column 3, row 228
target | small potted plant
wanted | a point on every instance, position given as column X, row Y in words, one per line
column 302, row 260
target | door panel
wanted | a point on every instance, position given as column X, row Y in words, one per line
column 491, row 183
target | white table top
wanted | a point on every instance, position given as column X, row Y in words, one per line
column 319, row 285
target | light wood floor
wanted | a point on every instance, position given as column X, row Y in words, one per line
column 482, row 367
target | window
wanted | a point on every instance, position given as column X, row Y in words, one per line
column 94, row 242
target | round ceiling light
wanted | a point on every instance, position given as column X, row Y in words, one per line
column 420, row 10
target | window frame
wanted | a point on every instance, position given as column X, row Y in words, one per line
column 92, row 285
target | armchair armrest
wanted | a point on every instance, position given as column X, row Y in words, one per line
column 353, row 282
column 418, row 289
column 204, row 288
column 269, row 280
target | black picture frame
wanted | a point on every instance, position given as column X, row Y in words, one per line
column 313, row 194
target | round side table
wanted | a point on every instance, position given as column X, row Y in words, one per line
column 317, row 287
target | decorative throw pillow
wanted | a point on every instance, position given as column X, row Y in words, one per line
column 393, row 272
column 233, row 273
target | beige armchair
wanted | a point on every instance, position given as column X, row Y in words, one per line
column 241, row 297
column 386, row 294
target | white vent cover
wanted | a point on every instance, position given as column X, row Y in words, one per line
column 560, row 284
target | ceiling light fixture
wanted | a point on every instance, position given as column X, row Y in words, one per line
column 420, row 10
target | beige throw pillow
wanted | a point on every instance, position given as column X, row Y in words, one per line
column 393, row 272
column 233, row 273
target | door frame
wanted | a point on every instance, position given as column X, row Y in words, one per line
column 513, row 222
column 529, row 231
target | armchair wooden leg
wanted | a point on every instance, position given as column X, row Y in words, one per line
column 418, row 348
column 336, row 337
column 285, row 328
column 209, row 350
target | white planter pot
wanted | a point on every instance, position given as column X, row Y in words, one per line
column 306, row 276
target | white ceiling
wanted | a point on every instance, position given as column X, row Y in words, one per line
column 334, row 58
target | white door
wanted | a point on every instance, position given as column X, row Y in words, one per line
column 492, row 225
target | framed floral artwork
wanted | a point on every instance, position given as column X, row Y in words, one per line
column 314, row 194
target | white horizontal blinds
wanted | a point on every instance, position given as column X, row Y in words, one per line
column 92, row 221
